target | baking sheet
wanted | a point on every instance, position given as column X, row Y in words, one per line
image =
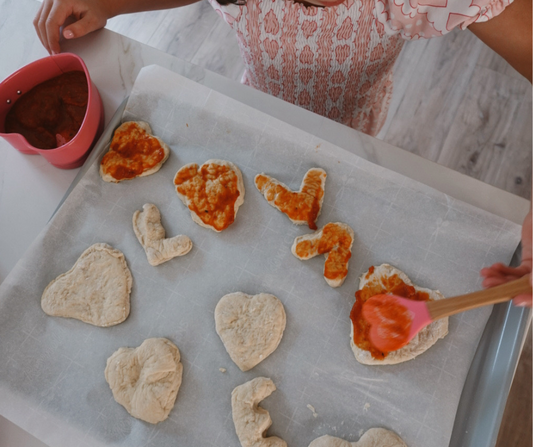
column 52, row 368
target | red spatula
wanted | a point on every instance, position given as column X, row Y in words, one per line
column 394, row 321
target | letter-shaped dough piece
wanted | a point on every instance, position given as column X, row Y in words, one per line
column 151, row 235
column 96, row 290
column 146, row 380
column 133, row 152
column 301, row 207
column 375, row 437
column 250, row 327
column 251, row 421
column 335, row 241
column 388, row 279
column 213, row 192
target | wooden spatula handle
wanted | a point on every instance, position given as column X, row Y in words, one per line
column 498, row 294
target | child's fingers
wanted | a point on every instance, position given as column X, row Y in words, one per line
column 57, row 16
column 36, row 23
column 523, row 301
column 87, row 23
column 494, row 281
column 41, row 23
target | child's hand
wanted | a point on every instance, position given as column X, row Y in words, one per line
column 500, row 274
column 89, row 15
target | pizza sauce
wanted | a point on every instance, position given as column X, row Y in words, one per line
column 211, row 192
column 51, row 113
column 334, row 240
column 299, row 206
column 393, row 285
column 132, row 152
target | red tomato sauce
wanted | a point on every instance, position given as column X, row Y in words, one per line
column 212, row 192
column 304, row 205
column 335, row 240
column 132, row 152
column 51, row 113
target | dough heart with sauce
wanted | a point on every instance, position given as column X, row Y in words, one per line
column 213, row 192
column 151, row 235
column 96, row 290
column 335, row 242
column 146, row 380
column 133, row 152
column 250, row 327
column 382, row 280
column 301, row 207
column 251, row 421
column 375, row 437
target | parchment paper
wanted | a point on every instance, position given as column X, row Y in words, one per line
column 52, row 369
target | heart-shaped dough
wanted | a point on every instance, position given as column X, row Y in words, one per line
column 95, row 290
column 250, row 327
column 133, row 152
column 213, row 192
column 151, row 235
column 387, row 279
column 251, row 421
column 375, row 437
column 301, row 207
column 146, row 380
column 335, row 242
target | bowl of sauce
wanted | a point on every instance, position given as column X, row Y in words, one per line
column 52, row 108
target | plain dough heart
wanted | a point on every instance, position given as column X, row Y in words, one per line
column 151, row 235
column 375, row 437
column 250, row 327
column 146, row 380
column 251, row 421
column 96, row 290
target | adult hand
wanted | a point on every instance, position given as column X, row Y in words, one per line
column 499, row 274
column 89, row 15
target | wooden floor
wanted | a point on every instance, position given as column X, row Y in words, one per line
column 455, row 102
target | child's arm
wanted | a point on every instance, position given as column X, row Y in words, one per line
column 89, row 16
column 499, row 273
column 509, row 34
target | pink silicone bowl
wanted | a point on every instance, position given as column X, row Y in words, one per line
column 72, row 154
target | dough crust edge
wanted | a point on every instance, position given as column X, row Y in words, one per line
column 371, row 438
column 129, row 282
column 425, row 339
column 140, row 237
column 179, row 371
column 244, row 366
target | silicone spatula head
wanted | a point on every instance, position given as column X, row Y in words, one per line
column 394, row 321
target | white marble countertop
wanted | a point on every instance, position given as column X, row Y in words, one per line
column 30, row 188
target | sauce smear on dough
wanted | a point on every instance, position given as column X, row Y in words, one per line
column 51, row 113
column 335, row 240
column 390, row 322
column 211, row 192
column 378, row 286
column 299, row 206
column 132, row 152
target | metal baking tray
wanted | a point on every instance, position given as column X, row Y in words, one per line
column 487, row 386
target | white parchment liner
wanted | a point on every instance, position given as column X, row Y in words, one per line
column 52, row 369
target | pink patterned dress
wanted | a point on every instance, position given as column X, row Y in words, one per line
column 337, row 61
